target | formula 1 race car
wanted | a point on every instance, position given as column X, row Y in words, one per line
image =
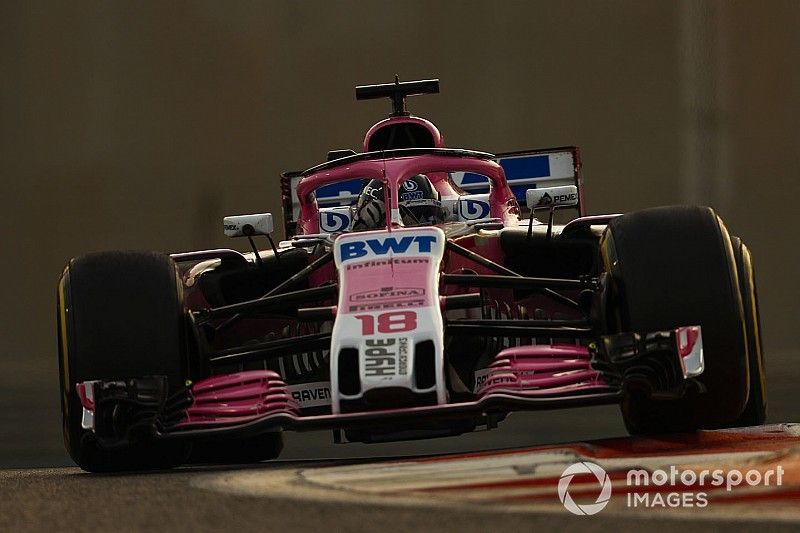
column 416, row 294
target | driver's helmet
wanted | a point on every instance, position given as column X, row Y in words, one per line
column 418, row 202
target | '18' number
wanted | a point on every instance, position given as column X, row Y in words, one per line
column 394, row 322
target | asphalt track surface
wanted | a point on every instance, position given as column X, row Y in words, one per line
column 268, row 497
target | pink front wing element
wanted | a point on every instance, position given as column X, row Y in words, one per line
column 542, row 370
column 238, row 398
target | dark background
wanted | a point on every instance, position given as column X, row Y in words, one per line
column 139, row 125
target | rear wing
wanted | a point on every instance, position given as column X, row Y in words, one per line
column 530, row 169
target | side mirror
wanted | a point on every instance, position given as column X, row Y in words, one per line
column 551, row 197
column 248, row 225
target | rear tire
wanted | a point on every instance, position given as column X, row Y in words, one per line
column 120, row 315
column 675, row 266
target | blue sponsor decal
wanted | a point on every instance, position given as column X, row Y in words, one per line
column 333, row 221
column 473, row 209
column 534, row 166
column 515, row 168
column 385, row 245
column 341, row 193
column 475, row 182
column 408, row 196
column 519, row 191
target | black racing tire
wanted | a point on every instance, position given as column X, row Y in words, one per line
column 755, row 410
column 670, row 267
column 120, row 315
column 237, row 451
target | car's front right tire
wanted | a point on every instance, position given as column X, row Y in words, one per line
column 120, row 315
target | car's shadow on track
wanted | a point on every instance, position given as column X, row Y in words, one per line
column 521, row 430
column 233, row 467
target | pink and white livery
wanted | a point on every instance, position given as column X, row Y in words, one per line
column 420, row 291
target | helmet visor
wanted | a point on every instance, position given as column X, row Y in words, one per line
column 422, row 212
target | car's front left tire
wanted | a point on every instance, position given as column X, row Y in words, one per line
column 677, row 266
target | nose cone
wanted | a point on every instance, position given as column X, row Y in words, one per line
column 388, row 308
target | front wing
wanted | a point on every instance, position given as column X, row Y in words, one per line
column 520, row 379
